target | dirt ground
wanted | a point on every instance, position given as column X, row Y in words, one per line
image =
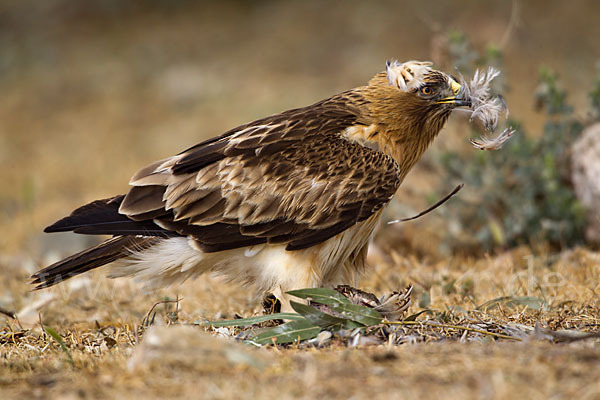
column 91, row 93
column 100, row 322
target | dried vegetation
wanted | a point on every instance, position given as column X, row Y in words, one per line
column 498, row 326
column 82, row 89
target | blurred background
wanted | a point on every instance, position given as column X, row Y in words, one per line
column 91, row 91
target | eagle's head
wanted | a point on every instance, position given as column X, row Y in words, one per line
column 409, row 103
column 413, row 100
column 425, row 86
column 418, row 97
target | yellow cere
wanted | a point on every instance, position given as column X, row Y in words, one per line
column 455, row 86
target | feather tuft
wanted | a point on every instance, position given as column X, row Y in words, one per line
column 408, row 75
column 487, row 143
column 486, row 108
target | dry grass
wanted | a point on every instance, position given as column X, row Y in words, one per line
column 101, row 324
column 87, row 99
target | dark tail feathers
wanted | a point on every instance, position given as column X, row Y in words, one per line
column 94, row 257
column 101, row 217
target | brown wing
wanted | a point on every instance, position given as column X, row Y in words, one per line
column 291, row 178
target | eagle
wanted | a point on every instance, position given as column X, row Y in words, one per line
column 286, row 202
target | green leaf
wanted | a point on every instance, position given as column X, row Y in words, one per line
column 493, row 303
column 323, row 319
column 414, row 316
column 60, row 341
column 321, row 296
column 424, row 299
column 287, row 333
column 363, row 315
column 535, row 303
column 254, row 320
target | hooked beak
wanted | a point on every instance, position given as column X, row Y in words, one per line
column 457, row 100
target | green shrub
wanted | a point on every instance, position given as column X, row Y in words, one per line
column 522, row 193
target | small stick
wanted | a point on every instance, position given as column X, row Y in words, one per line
column 147, row 318
column 8, row 313
column 135, row 331
column 433, row 207
column 131, row 341
column 459, row 327
column 42, row 326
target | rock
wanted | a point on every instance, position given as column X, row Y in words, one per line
column 586, row 178
column 28, row 316
column 177, row 345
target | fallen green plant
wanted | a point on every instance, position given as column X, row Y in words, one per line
column 309, row 321
column 330, row 311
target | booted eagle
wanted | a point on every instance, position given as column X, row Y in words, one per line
column 285, row 202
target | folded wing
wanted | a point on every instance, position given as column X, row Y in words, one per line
column 291, row 178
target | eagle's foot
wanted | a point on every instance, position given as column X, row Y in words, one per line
column 271, row 305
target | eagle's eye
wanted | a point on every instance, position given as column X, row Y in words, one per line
column 427, row 90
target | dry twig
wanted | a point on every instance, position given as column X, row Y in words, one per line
column 449, row 326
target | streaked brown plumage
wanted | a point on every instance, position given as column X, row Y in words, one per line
column 284, row 202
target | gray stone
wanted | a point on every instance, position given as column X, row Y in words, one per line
column 177, row 345
column 586, row 178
